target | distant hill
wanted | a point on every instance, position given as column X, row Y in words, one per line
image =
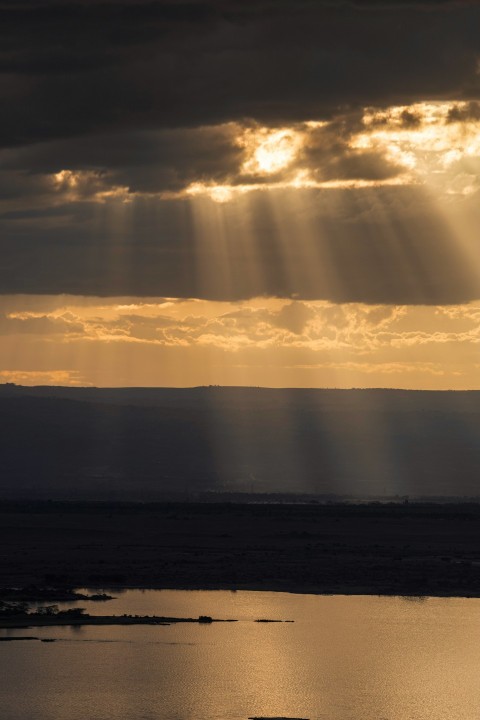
column 143, row 443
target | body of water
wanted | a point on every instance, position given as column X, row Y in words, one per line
column 343, row 658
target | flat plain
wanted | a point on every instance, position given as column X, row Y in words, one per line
column 398, row 548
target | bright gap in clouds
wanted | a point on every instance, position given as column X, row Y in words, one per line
column 270, row 150
column 434, row 143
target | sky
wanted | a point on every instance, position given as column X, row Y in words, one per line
column 240, row 192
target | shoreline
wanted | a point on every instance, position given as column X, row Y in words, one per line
column 299, row 590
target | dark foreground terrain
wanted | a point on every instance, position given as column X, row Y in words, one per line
column 406, row 549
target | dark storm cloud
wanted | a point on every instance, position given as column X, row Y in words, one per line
column 471, row 111
column 154, row 248
column 77, row 68
column 170, row 160
column 148, row 161
column 139, row 95
column 327, row 153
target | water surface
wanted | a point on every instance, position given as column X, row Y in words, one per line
column 344, row 658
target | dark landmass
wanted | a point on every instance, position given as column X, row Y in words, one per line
column 147, row 444
column 402, row 549
column 69, row 618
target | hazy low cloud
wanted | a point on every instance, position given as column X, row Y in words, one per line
column 265, row 341
column 315, row 326
column 37, row 324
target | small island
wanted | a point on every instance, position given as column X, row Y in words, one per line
column 50, row 616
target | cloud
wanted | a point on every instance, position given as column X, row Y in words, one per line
column 31, row 323
column 265, row 341
column 123, row 119
column 71, row 69
column 312, row 325
column 294, row 317
column 149, row 161
column 376, row 245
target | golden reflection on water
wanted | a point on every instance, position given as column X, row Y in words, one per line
column 344, row 658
